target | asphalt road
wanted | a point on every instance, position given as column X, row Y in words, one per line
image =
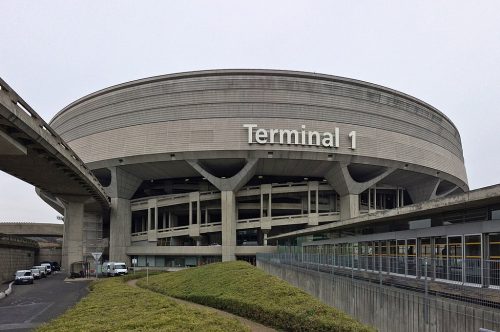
column 30, row 305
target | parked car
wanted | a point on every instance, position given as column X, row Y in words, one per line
column 112, row 269
column 56, row 266
column 48, row 267
column 23, row 277
column 35, row 272
column 43, row 270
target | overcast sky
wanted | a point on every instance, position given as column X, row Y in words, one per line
column 446, row 53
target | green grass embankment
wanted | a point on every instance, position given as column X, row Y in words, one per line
column 114, row 306
column 244, row 290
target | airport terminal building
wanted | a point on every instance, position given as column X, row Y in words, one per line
column 206, row 166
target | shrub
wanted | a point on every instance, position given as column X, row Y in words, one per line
column 246, row 291
column 113, row 306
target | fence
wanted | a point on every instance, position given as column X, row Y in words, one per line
column 389, row 301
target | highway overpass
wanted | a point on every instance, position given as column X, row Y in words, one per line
column 33, row 152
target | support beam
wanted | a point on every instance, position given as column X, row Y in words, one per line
column 72, row 250
column 426, row 191
column 119, row 232
column 349, row 206
column 343, row 183
column 235, row 182
column 228, row 209
column 122, row 187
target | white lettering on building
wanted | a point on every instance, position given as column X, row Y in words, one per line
column 326, row 139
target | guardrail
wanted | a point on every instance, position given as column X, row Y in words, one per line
column 389, row 301
column 13, row 240
column 31, row 118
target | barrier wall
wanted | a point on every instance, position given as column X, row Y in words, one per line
column 16, row 253
column 384, row 307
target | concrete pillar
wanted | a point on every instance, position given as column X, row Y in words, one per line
column 313, row 192
column 164, row 220
column 72, row 250
column 349, row 206
column 152, row 220
column 119, row 232
column 228, row 210
column 194, row 228
column 123, row 186
column 265, row 218
column 349, row 189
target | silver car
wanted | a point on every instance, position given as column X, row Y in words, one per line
column 36, row 273
column 23, row 277
column 43, row 270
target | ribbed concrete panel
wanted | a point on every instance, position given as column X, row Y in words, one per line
column 229, row 135
column 203, row 112
column 222, row 94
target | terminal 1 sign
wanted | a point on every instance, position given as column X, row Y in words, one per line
column 305, row 137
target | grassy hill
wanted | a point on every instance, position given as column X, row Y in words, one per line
column 113, row 306
column 244, row 290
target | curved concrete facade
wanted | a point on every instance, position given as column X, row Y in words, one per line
column 218, row 138
column 204, row 111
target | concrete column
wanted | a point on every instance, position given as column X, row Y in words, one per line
column 72, row 250
column 265, row 220
column 369, row 200
column 308, row 200
column 317, row 199
column 164, row 219
column 152, row 220
column 194, row 229
column 123, row 186
column 119, row 232
column 312, row 191
column 349, row 206
column 228, row 210
column 397, row 198
column 349, row 189
column 269, row 204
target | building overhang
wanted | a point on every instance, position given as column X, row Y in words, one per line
column 474, row 198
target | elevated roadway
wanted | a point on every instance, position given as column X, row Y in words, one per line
column 33, row 152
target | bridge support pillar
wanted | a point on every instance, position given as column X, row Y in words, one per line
column 119, row 232
column 72, row 250
column 122, row 187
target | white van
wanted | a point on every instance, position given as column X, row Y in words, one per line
column 112, row 269
column 48, row 267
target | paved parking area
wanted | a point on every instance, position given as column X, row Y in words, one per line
column 30, row 305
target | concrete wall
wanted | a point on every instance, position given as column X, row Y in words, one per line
column 31, row 229
column 15, row 255
column 387, row 308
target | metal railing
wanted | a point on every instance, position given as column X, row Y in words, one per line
column 397, row 295
column 471, row 280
